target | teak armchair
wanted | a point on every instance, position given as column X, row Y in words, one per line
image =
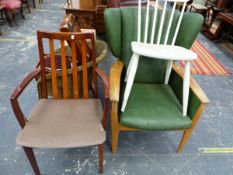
column 58, row 121
column 152, row 105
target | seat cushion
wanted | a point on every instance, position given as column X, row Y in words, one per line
column 154, row 107
column 63, row 124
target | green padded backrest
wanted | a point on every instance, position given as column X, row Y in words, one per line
column 121, row 28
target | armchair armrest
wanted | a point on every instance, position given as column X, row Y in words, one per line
column 105, row 80
column 18, row 90
column 193, row 85
column 115, row 80
column 197, row 98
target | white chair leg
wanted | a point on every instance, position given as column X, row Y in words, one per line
column 168, row 71
column 129, row 68
column 186, row 87
column 129, row 84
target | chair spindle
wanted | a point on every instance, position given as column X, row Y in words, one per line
column 154, row 22
column 147, row 21
column 161, row 23
column 75, row 70
column 179, row 22
column 93, row 59
column 64, row 70
column 170, row 23
column 84, row 66
column 53, row 69
column 139, row 20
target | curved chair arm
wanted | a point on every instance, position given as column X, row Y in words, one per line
column 115, row 80
column 105, row 80
column 193, row 85
column 18, row 90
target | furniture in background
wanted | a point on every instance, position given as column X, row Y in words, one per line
column 121, row 3
column 5, row 14
column 222, row 27
column 179, row 5
column 152, row 105
column 9, row 10
column 67, row 120
column 25, row 2
column 83, row 10
column 34, row 3
column 88, row 13
column 219, row 24
column 1, row 11
column 200, row 6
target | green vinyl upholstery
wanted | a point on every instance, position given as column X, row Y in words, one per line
column 152, row 105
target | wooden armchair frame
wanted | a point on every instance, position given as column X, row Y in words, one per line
column 115, row 83
column 38, row 72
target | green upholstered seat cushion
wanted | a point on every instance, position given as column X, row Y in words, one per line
column 154, row 107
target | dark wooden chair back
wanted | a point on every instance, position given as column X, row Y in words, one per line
column 72, row 38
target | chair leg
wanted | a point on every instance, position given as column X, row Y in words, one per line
column 190, row 8
column 13, row 12
column 34, row 4
column 32, row 159
column 129, row 67
column 29, row 9
column 101, row 158
column 130, row 80
column 21, row 12
column 186, row 87
column 185, row 137
column 8, row 18
column 2, row 12
column 168, row 71
column 115, row 135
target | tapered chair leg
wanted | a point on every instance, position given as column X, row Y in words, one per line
column 130, row 80
column 185, row 137
column 32, row 160
column 34, row 4
column 9, row 20
column 101, row 158
column 21, row 12
column 115, row 135
column 27, row 4
column 13, row 12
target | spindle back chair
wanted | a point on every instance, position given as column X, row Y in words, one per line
column 152, row 45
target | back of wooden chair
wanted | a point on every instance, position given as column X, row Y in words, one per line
column 72, row 38
column 69, row 24
column 161, row 24
column 158, row 42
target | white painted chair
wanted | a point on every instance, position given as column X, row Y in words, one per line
column 159, row 50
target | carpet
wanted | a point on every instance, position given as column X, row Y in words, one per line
column 206, row 63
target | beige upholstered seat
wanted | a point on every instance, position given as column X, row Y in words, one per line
column 62, row 123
